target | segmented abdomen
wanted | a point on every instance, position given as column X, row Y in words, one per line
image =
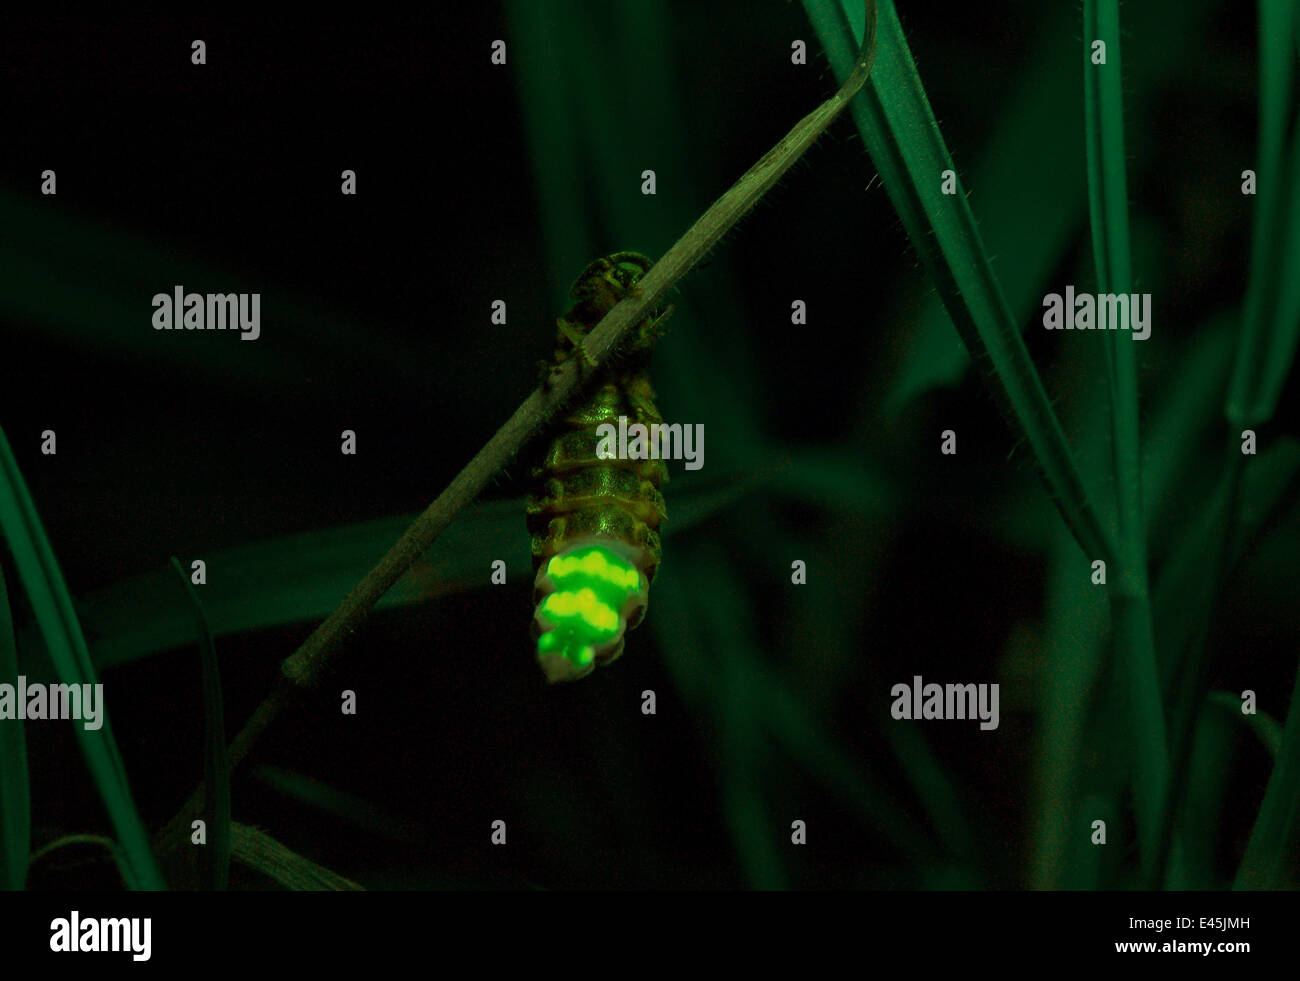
column 595, row 521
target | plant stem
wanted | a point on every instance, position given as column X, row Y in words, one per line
column 216, row 767
column 1129, row 588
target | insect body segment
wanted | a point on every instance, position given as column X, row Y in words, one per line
column 595, row 520
column 590, row 593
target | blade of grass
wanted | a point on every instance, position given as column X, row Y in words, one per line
column 939, row 794
column 78, row 282
column 732, row 696
column 294, row 578
column 340, row 804
column 1072, row 639
column 820, row 644
column 216, row 768
column 1128, row 587
column 1075, row 625
column 1262, row 864
column 42, row 580
column 1033, row 197
column 99, row 841
column 1033, row 200
column 1266, row 347
column 1272, row 262
column 750, row 699
column 1212, row 752
column 1271, row 325
column 15, row 790
column 808, row 742
column 692, row 629
column 1265, row 727
column 1246, row 503
column 1173, row 438
column 899, row 129
column 262, row 853
column 1266, row 489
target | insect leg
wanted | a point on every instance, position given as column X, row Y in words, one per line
column 641, row 399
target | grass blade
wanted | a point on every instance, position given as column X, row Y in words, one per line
column 216, row 768
column 77, row 841
column 896, row 122
column 262, row 853
column 1032, row 198
column 1128, row 590
column 340, row 804
column 1272, row 315
column 1265, row 727
column 1072, row 641
column 1213, row 749
column 712, row 652
column 1266, row 348
column 95, row 309
column 43, row 582
column 15, row 791
column 1261, row 866
column 296, row 578
column 1270, row 331
column 728, row 690
column 1174, row 433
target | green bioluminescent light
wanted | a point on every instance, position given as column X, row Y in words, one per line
column 583, row 619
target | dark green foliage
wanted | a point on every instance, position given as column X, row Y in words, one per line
column 822, row 446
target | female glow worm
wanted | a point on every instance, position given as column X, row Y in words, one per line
column 595, row 521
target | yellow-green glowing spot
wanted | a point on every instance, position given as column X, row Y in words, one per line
column 582, row 605
column 592, row 584
column 595, row 562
